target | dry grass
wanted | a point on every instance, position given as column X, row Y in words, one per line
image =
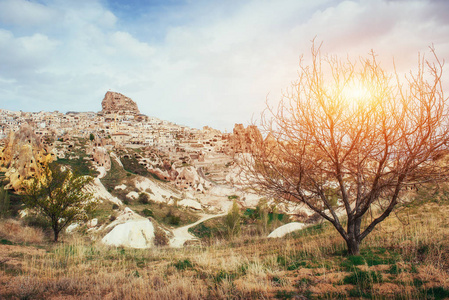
column 14, row 231
column 408, row 260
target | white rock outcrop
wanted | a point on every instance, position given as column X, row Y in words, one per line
column 157, row 191
column 120, row 187
column 286, row 229
column 190, row 203
column 132, row 195
column 132, row 234
column 99, row 192
column 72, row 227
column 130, row 230
column 92, row 223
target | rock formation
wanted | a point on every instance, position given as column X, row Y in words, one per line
column 101, row 157
column 188, row 179
column 23, row 156
column 130, row 230
column 116, row 103
column 242, row 138
column 286, row 229
column 190, row 203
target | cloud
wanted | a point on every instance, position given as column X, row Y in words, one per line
column 125, row 42
column 25, row 13
column 21, row 56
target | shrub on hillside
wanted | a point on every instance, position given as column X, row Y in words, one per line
column 160, row 237
column 232, row 221
column 143, row 198
column 4, row 203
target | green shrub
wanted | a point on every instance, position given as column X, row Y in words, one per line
column 437, row 293
column 394, row 269
column 147, row 212
column 79, row 165
column 210, row 229
column 232, row 221
column 183, row 264
column 36, row 220
column 363, row 280
column 262, row 217
column 4, row 203
column 143, row 198
column 172, row 219
column 202, row 231
column 6, row 242
column 222, row 275
column 283, row 294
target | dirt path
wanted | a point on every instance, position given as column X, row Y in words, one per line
column 181, row 234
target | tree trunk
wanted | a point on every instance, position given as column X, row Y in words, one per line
column 56, row 234
column 353, row 232
column 353, row 246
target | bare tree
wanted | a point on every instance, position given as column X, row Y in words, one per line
column 348, row 136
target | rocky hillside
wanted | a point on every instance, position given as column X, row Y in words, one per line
column 154, row 179
column 116, row 103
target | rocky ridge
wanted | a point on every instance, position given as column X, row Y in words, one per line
column 116, row 103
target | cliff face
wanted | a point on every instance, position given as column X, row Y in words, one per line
column 116, row 103
column 23, row 157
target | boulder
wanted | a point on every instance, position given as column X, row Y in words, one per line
column 133, row 234
column 72, row 227
column 120, row 187
column 132, row 195
column 92, row 223
column 286, row 229
column 190, row 203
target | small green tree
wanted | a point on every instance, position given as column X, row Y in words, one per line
column 262, row 216
column 60, row 196
column 91, row 137
column 232, row 221
column 4, row 203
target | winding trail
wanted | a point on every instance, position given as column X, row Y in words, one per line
column 181, row 234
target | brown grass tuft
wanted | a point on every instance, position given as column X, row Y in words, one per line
column 16, row 232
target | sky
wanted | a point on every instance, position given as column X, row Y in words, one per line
column 196, row 62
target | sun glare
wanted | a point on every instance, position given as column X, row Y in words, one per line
column 355, row 93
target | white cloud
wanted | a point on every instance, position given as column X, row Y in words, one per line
column 25, row 13
column 21, row 55
column 125, row 42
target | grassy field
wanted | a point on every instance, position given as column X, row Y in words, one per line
column 407, row 257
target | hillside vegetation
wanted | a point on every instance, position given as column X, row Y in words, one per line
column 407, row 257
